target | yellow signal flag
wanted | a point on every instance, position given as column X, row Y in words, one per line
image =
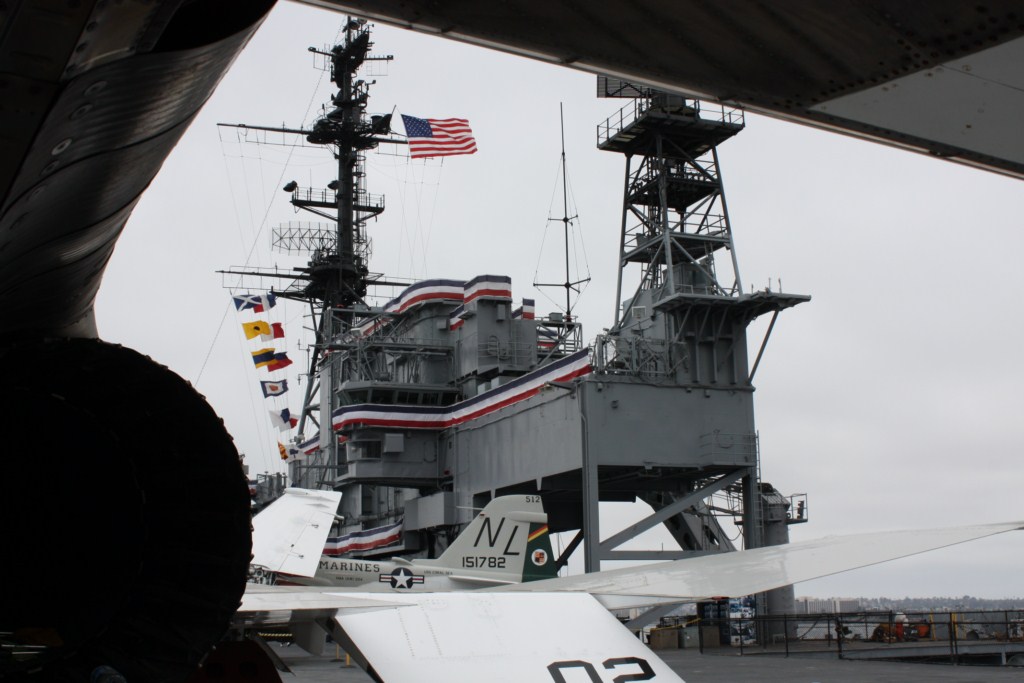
column 283, row 450
column 257, row 328
column 263, row 357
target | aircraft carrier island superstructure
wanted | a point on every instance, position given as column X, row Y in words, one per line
column 456, row 391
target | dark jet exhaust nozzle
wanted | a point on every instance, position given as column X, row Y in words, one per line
column 125, row 515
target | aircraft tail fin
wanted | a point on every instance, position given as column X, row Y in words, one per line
column 509, row 538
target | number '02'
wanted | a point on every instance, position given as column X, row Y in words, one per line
column 646, row 673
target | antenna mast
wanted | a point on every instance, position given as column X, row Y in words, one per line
column 568, row 284
column 336, row 279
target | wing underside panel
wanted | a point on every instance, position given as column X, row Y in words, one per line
column 289, row 535
column 470, row 637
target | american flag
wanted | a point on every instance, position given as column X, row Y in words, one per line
column 438, row 137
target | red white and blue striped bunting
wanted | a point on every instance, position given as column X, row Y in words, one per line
column 547, row 338
column 309, row 446
column 488, row 287
column 455, row 319
column 526, row 311
column 364, row 540
column 423, row 417
column 428, row 290
column 441, row 417
column 440, row 291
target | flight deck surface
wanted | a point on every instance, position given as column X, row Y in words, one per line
column 694, row 667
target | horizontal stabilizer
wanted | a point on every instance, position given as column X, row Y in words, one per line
column 289, row 535
column 473, row 582
column 280, row 605
column 746, row 572
column 473, row 637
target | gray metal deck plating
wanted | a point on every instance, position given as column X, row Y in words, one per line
column 694, row 667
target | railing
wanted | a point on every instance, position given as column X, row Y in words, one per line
column 620, row 119
column 309, row 195
column 645, row 189
column 495, row 348
column 982, row 636
column 705, row 225
column 713, row 228
column 373, row 201
column 632, row 356
column 631, row 112
column 556, row 338
column 696, row 290
column 383, row 341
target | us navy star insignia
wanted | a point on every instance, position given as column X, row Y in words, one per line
column 401, row 578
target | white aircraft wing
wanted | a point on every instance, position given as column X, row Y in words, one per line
column 560, row 629
column 746, row 572
column 289, row 535
column 464, row 636
column 497, row 637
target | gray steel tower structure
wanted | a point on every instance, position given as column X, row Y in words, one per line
column 681, row 331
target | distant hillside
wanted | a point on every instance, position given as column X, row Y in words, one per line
column 942, row 604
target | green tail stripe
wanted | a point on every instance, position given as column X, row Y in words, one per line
column 540, row 561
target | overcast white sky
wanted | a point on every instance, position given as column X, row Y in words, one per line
column 892, row 399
